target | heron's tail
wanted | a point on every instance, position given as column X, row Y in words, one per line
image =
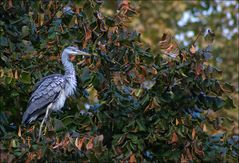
column 29, row 117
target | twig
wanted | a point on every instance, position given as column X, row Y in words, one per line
column 198, row 35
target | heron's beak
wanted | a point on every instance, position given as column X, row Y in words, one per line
column 83, row 53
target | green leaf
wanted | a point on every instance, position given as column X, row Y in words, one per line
column 25, row 77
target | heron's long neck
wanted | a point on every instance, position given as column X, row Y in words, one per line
column 69, row 74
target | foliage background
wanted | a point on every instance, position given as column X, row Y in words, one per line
column 128, row 116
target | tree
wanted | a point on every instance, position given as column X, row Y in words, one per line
column 146, row 106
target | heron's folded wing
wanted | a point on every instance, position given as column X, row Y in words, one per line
column 43, row 79
column 46, row 92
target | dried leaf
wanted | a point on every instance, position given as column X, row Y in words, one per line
column 79, row 143
column 177, row 122
column 174, row 138
column 193, row 133
column 132, row 159
column 183, row 159
column 199, row 69
column 10, row 5
column 90, row 145
column 87, row 36
column 168, row 45
column 193, row 50
column 19, row 132
column 29, row 141
column 41, row 19
column 198, row 150
column 16, row 75
column 204, row 128
column 189, row 154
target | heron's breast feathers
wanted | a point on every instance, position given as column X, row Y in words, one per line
column 70, row 86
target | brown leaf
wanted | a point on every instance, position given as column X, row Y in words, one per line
column 58, row 145
column 177, row 122
column 16, row 75
column 79, row 143
column 30, row 157
column 184, row 56
column 170, row 48
column 132, row 159
column 154, row 71
column 165, row 41
column 90, row 145
column 174, row 138
column 39, row 154
column 198, row 150
column 66, row 141
column 204, row 128
column 193, row 133
column 10, row 5
column 87, row 36
column 41, row 18
column 199, row 69
column 189, row 154
column 183, row 159
column 29, row 141
column 193, row 50
column 19, row 132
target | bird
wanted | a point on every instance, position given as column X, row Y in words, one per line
column 51, row 92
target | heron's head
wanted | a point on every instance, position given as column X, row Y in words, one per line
column 72, row 51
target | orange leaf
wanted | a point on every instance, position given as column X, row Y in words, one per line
column 174, row 138
column 132, row 159
column 90, row 145
column 87, row 36
column 79, row 143
column 193, row 133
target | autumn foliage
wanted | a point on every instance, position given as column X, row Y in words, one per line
column 140, row 106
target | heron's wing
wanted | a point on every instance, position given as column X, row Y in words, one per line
column 46, row 91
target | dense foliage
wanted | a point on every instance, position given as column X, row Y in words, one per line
column 130, row 104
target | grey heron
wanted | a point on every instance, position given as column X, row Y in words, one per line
column 51, row 91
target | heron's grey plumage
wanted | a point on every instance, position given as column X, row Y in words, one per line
column 52, row 91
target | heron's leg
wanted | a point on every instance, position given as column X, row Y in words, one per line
column 43, row 121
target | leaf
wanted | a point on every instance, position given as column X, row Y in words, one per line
column 79, row 143
column 132, row 159
column 193, row 134
column 90, row 144
column 25, row 77
column 174, row 138
column 193, row 49
column 199, row 69
column 16, row 75
column 204, row 128
column 229, row 103
column 10, row 5
column 177, row 122
column 19, row 132
column 3, row 42
column 87, row 36
column 168, row 46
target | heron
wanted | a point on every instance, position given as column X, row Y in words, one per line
column 51, row 92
